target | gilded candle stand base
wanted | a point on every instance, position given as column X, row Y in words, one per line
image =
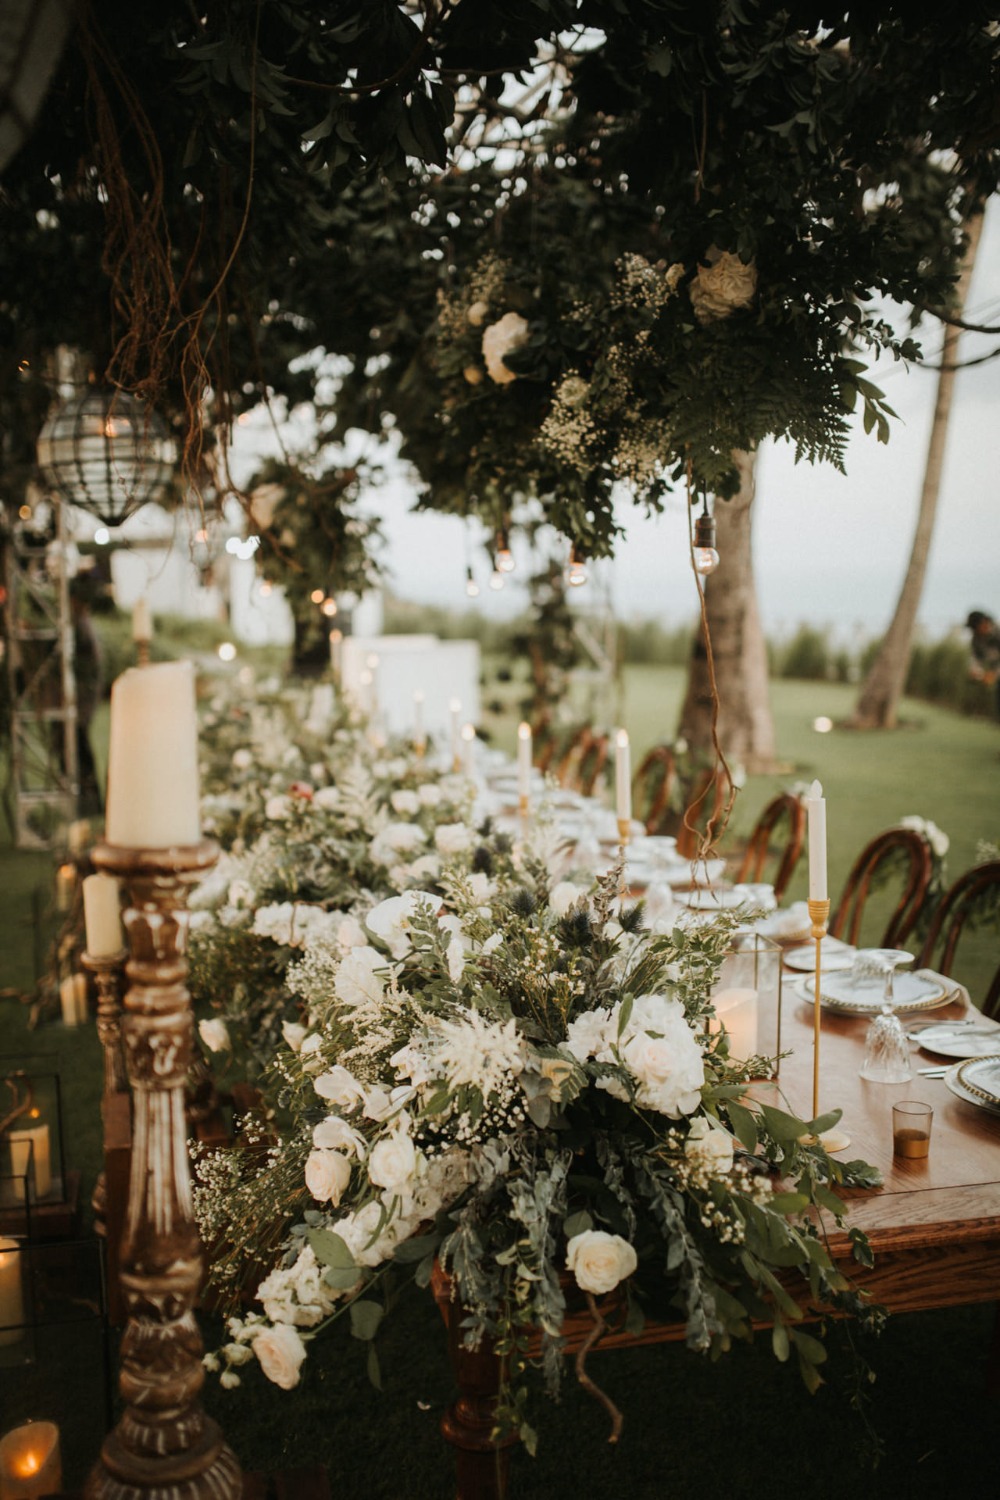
column 164, row 1447
column 108, row 972
column 819, row 916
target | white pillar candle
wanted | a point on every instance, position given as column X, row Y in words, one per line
column 80, row 998
column 31, row 1156
column 153, row 758
column 736, row 1009
column 67, row 1000
column 336, row 652
column 816, row 813
column 469, row 743
column 623, row 776
column 454, row 711
column 11, row 1300
column 524, row 761
column 102, row 916
column 142, row 620
column 30, row 1462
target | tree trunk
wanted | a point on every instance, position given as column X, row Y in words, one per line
column 883, row 687
column 746, row 726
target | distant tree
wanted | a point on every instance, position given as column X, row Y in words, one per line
column 878, row 700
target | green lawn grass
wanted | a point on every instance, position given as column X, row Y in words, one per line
column 745, row 1427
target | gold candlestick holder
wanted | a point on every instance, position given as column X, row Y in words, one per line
column 624, row 831
column 142, row 653
column 420, row 748
column 163, row 1447
column 108, row 970
column 819, row 916
column 524, row 807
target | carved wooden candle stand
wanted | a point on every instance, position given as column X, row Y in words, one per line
column 164, row 1447
column 107, row 971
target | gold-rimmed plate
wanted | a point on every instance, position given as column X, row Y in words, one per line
column 973, row 1093
column 922, row 990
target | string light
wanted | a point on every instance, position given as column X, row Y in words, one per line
column 329, row 608
column 496, row 579
column 471, row 586
column 504, row 556
column 317, row 596
column 706, row 558
column 576, row 569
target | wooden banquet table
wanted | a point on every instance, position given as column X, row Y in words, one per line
column 934, row 1225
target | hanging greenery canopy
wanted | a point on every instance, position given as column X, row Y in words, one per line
column 561, row 246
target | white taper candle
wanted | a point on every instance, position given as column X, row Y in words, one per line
column 816, row 812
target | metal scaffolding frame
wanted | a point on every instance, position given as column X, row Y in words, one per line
column 43, row 774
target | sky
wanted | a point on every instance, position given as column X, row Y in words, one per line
column 830, row 549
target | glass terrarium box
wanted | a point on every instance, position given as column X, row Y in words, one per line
column 33, row 1171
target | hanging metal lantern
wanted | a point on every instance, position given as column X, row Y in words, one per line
column 107, row 452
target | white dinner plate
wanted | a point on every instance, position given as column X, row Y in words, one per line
column 955, row 1081
column 834, row 955
column 920, row 991
column 953, row 1039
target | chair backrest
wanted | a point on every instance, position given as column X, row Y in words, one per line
column 970, row 892
column 544, row 743
column 652, row 785
column 581, row 760
column 901, row 846
column 786, row 808
column 593, row 759
column 708, row 797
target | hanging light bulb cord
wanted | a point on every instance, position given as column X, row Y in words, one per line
column 710, row 838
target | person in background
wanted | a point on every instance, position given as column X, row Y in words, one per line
column 984, row 665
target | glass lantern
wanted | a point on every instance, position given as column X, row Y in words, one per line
column 747, row 999
column 31, row 1144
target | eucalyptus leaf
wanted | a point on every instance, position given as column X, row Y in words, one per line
column 365, row 1318
column 330, row 1250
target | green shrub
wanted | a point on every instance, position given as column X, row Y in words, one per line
column 807, row 656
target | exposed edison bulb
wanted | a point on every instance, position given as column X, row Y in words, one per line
column 317, row 596
column 706, row 558
column 329, row 608
column 504, row 556
column 471, row 586
column 576, row 570
column 496, row 579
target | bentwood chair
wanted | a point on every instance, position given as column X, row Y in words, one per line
column 652, row 785
column 898, row 850
column 583, row 761
column 977, row 892
column 786, row 809
column 544, row 744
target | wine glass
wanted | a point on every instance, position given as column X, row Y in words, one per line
column 887, row 1047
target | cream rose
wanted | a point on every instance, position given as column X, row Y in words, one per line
column 327, row 1175
column 453, row 838
column 599, row 1261
column 393, row 1161
column 709, row 1147
column 722, row 286
column 500, row 339
column 405, row 802
column 280, row 1352
column 215, row 1034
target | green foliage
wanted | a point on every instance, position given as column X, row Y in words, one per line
column 807, row 656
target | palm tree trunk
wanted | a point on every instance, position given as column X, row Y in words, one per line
column 882, row 689
column 746, row 725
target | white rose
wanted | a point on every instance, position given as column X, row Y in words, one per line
column 215, row 1034
column 709, row 1147
column 390, row 920
column 478, row 313
column 396, row 839
column 328, row 798
column 393, row 1161
column 430, row 795
column 661, row 1050
column 294, row 1034
column 589, row 1035
column 277, row 809
column 280, row 1352
column 564, row 895
column 334, row 1134
column 427, row 867
column 406, row 803
column 502, row 338
column 358, row 979
column 242, row 760
column 599, row 1261
column 340, row 1087
column 327, row 1175
column 453, row 838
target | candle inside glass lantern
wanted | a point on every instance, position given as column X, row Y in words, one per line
column 737, row 1012
column 11, row 1293
column 31, row 1153
column 30, row 1462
